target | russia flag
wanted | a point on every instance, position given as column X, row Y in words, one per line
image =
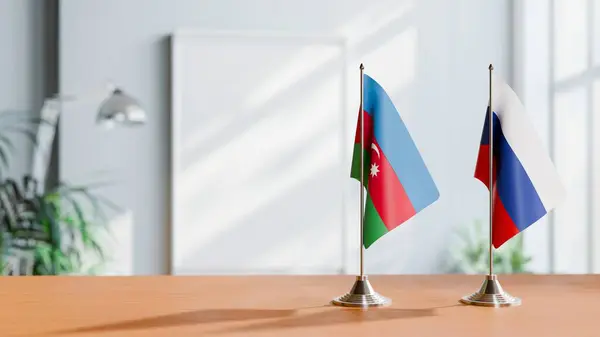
column 526, row 183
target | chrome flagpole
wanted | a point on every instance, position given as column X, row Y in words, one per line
column 491, row 181
column 362, row 294
column 362, row 171
column 491, row 293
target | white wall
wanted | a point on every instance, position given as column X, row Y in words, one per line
column 22, row 68
column 431, row 55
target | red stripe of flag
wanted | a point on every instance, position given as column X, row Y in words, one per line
column 387, row 193
column 482, row 168
column 503, row 227
column 368, row 130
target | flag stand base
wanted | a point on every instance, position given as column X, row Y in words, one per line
column 362, row 295
column 491, row 294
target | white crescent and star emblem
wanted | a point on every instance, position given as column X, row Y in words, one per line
column 374, row 147
column 374, row 167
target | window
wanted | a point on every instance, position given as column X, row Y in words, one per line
column 557, row 75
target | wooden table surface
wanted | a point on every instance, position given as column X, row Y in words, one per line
column 292, row 306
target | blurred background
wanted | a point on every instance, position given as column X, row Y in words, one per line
column 233, row 155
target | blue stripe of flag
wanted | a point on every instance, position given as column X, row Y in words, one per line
column 397, row 145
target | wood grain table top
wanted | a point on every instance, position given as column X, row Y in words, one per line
column 290, row 306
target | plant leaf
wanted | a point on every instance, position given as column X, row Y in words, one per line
column 43, row 253
column 28, row 133
column 8, row 143
column 4, row 157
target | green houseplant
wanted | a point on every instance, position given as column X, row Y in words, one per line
column 57, row 231
column 471, row 255
column 63, row 210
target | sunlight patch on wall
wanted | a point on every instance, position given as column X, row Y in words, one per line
column 394, row 64
column 312, row 61
column 254, row 161
column 373, row 18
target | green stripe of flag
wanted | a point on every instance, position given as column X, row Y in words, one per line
column 355, row 171
column 374, row 228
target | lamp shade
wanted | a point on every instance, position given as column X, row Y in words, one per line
column 121, row 109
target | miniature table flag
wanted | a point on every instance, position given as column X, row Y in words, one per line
column 526, row 183
column 397, row 181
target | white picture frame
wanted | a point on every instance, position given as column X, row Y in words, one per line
column 232, row 250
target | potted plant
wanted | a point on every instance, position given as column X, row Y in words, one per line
column 471, row 256
column 53, row 232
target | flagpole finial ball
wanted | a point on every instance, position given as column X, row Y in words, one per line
column 362, row 66
column 491, row 67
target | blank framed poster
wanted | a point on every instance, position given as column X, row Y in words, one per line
column 260, row 147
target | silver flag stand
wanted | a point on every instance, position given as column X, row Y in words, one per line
column 491, row 293
column 362, row 294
